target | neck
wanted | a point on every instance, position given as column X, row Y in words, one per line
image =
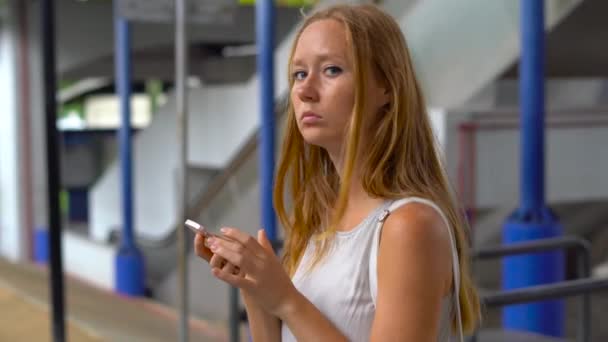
column 357, row 196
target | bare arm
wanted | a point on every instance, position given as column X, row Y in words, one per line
column 263, row 326
column 414, row 274
column 307, row 323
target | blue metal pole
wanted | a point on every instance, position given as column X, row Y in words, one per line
column 532, row 97
column 129, row 261
column 533, row 220
column 265, row 63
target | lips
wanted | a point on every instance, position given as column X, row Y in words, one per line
column 310, row 114
column 309, row 117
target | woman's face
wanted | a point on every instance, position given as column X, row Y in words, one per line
column 323, row 93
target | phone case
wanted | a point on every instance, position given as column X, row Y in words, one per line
column 198, row 228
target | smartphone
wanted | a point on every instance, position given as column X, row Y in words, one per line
column 207, row 253
column 198, row 228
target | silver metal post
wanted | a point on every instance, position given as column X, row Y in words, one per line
column 181, row 72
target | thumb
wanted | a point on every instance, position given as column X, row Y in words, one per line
column 263, row 240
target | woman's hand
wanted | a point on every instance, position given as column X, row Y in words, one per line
column 202, row 250
column 200, row 247
column 265, row 280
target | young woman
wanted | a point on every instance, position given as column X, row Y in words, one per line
column 375, row 246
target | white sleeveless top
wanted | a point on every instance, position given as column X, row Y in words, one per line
column 343, row 286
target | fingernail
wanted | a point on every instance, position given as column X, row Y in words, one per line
column 224, row 230
column 214, row 247
column 209, row 242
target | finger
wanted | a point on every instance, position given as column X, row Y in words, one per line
column 234, row 280
column 228, row 268
column 217, row 261
column 245, row 239
column 221, row 263
column 233, row 257
column 200, row 248
column 230, row 244
column 231, row 269
column 263, row 241
column 236, row 247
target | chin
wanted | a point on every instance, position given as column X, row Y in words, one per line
column 314, row 138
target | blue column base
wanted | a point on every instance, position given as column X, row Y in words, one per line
column 41, row 245
column 130, row 272
column 546, row 317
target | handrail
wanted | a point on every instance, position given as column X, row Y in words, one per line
column 583, row 252
column 533, row 246
column 562, row 289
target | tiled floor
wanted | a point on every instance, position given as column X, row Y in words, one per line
column 94, row 314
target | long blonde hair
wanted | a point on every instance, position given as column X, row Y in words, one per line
column 402, row 160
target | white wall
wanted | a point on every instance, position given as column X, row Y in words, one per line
column 460, row 46
column 88, row 260
column 576, row 158
column 576, row 165
column 11, row 220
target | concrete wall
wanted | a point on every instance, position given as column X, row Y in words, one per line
column 576, row 165
column 576, row 153
column 89, row 261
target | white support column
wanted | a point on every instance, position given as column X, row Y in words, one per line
column 12, row 232
column 38, row 132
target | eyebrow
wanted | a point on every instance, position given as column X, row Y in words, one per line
column 321, row 57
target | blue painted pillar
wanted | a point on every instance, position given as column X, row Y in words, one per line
column 129, row 275
column 533, row 220
column 265, row 62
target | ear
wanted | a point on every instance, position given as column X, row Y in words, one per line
column 383, row 92
column 380, row 91
column 382, row 96
column 386, row 97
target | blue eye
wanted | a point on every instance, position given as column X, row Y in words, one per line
column 333, row 71
column 299, row 75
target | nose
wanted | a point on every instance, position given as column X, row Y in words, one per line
column 306, row 89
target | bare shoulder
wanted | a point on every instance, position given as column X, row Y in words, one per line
column 417, row 233
column 418, row 223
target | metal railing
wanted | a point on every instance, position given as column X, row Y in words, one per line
column 582, row 286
